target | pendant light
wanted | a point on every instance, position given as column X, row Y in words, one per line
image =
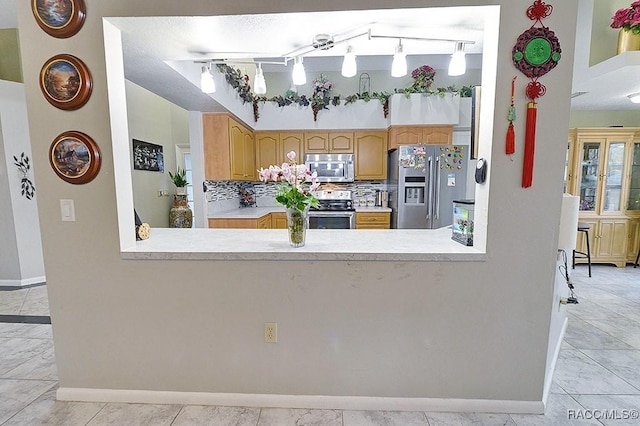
column 299, row 76
column 635, row 98
column 259, row 84
column 458, row 63
column 399, row 65
column 349, row 67
column 207, row 85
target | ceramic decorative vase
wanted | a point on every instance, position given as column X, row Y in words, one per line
column 180, row 215
column 628, row 41
column 297, row 223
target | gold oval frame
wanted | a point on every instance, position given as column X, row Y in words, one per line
column 75, row 157
column 64, row 22
column 66, row 82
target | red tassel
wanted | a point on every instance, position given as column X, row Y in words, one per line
column 529, row 144
column 511, row 140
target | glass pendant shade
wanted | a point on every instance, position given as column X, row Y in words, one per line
column 207, row 85
column 349, row 67
column 259, row 84
column 299, row 76
column 458, row 63
column 399, row 65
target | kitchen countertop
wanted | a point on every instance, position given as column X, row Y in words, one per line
column 429, row 245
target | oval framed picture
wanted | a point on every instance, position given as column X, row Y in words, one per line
column 75, row 157
column 66, row 82
column 59, row 18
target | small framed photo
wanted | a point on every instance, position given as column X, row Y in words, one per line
column 66, row 82
column 147, row 156
column 75, row 157
column 59, row 18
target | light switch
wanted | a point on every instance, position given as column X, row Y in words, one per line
column 67, row 210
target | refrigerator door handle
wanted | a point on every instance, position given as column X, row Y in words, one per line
column 437, row 173
column 429, row 188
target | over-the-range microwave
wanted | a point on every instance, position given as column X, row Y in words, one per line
column 331, row 167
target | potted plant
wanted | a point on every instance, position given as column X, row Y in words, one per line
column 179, row 179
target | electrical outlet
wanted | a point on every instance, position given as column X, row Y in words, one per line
column 270, row 332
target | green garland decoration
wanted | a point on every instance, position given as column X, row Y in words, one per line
column 240, row 82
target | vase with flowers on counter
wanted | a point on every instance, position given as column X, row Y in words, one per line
column 180, row 215
column 628, row 21
column 295, row 191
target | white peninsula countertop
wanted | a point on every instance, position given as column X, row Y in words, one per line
column 321, row 244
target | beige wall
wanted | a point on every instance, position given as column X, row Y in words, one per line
column 603, row 37
column 474, row 330
column 155, row 120
column 10, row 67
column 630, row 118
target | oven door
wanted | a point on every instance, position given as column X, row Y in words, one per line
column 332, row 219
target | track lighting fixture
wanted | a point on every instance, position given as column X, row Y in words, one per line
column 458, row 63
column 634, row 97
column 207, row 85
column 399, row 65
column 299, row 76
column 349, row 67
column 259, row 83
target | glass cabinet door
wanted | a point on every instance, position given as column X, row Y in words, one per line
column 590, row 163
column 634, row 183
column 613, row 172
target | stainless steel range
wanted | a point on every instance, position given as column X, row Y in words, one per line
column 335, row 212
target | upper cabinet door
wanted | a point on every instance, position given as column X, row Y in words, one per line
column 371, row 155
column 633, row 193
column 292, row 142
column 267, row 150
column 341, row 142
column 613, row 177
column 590, row 174
column 316, row 143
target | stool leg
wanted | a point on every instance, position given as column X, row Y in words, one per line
column 586, row 234
column 637, row 258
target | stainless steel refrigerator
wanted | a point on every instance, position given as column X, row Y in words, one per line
column 423, row 182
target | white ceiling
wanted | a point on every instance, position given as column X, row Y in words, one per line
column 149, row 42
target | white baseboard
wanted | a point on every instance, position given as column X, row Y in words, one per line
column 23, row 283
column 548, row 380
column 300, row 401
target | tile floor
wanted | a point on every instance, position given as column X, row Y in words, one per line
column 598, row 369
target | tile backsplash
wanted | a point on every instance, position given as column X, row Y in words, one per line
column 226, row 195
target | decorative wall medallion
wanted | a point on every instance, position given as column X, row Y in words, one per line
column 23, row 164
column 59, row 18
column 75, row 157
column 66, row 82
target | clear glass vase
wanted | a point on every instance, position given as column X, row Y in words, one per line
column 297, row 223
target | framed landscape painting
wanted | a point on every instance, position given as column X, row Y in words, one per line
column 65, row 82
column 75, row 157
column 59, row 18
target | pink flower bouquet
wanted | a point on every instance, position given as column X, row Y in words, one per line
column 628, row 18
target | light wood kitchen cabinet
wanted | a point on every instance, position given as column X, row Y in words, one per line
column 263, row 222
column 228, row 148
column 234, row 223
column 370, row 149
column 633, row 243
column 373, row 220
column 608, row 239
column 279, row 220
column 600, row 171
column 420, row 135
column 328, row 142
column 272, row 147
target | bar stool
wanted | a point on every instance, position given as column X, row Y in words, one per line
column 583, row 227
